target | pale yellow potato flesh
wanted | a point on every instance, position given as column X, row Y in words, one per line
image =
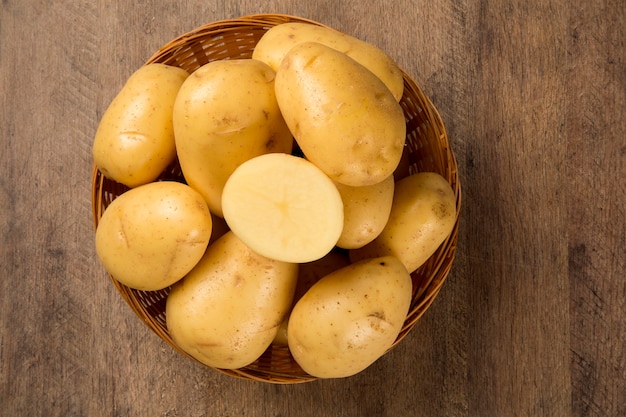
column 350, row 318
column 278, row 41
column 342, row 116
column 134, row 142
column 227, row 310
column 152, row 235
column 226, row 113
column 423, row 214
column 283, row 207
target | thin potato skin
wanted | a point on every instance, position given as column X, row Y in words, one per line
column 227, row 310
column 226, row 113
column 277, row 42
column 350, row 318
column 422, row 216
column 342, row 116
column 152, row 235
column 134, row 142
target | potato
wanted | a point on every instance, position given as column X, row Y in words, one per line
column 365, row 212
column 134, row 142
column 226, row 311
column 423, row 214
column 276, row 43
column 152, row 235
column 226, row 113
column 343, row 118
column 283, row 207
column 350, row 318
column 308, row 274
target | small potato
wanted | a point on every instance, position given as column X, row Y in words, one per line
column 226, row 113
column 276, row 43
column 283, row 207
column 308, row 274
column 152, row 235
column 227, row 310
column 134, row 142
column 350, row 318
column 423, row 214
column 343, row 118
column 365, row 212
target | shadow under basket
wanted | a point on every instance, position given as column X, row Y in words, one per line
column 427, row 148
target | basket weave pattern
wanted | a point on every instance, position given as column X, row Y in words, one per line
column 429, row 150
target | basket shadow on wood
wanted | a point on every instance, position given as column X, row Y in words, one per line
column 428, row 151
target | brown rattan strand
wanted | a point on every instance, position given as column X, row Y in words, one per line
column 428, row 151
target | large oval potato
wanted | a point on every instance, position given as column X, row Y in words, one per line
column 152, row 235
column 227, row 310
column 350, row 318
column 276, row 43
column 134, row 142
column 343, row 117
column 226, row 113
column 365, row 212
column 423, row 214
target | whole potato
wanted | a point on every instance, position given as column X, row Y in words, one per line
column 350, row 318
column 423, row 214
column 226, row 113
column 343, row 117
column 152, row 235
column 227, row 310
column 134, row 142
column 276, row 43
column 365, row 212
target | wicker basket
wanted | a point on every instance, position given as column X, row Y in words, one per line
column 429, row 150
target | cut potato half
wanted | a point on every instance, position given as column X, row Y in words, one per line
column 283, row 207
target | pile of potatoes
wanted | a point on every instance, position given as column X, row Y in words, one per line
column 297, row 223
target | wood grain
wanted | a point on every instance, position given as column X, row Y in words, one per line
column 597, row 230
column 532, row 318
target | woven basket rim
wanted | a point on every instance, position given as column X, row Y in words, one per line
column 424, row 294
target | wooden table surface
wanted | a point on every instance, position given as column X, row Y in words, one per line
column 531, row 321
